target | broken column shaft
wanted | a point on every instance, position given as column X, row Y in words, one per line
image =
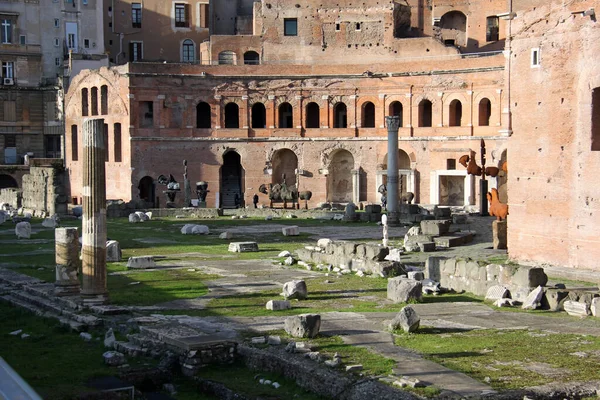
column 67, row 261
column 93, row 225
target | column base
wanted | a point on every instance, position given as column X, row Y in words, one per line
column 393, row 218
column 68, row 289
column 95, row 300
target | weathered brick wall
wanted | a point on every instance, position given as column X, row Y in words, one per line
column 554, row 201
column 44, row 191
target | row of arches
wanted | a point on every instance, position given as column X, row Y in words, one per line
column 229, row 57
column 312, row 116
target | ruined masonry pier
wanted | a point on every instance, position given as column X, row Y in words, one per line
column 67, row 261
column 93, row 225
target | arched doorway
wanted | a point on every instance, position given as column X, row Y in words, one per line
column 259, row 116
column 286, row 116
column 7, row 181
column 339, row 180
column 368, row 115
column 147, row 190
column 312, row 115
column 340, row 119
column 284, row 161
column 231, row 180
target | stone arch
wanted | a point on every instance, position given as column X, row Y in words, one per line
column 147, row 190
column 455, row 113
column 425, row 113
column 232, row 115
column 7, row 181
column 484, row 112
column 313, row 115
column 340, row 115
column 452, row 28
column 284, row 161
column 232, row 179
column 339, row 179
column 404, row 160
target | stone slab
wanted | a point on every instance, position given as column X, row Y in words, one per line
column 196, row 342
column 243, row 247
column 142, row 262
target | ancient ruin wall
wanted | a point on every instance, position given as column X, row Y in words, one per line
column 553, row 171
column 44, row 191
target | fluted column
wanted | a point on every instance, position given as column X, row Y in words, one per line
column 67, row 261
column 393, row 123
column 93, row 225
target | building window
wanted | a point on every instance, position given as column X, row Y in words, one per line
column 6, row 32
column 425, row 113
column 290, row 27
column 358, row 26
column 337, row 27
column 135, row 51
column 22, row 40
column 146, row 109
column 313, row 118
column 340, row 116
column 485, row 112
column 10, row 140
column 8, row 69
column 251, row 58
column 204, row 16
column 84, row 102
column 226, row 57
column 84, row 2
column 117, row 142
column 368, row 115
column 182, row 15
column 136, row 15
column 71, row 43
column 56, row 23
column 94, row 94
column 492, row 32
column 596, row 119
column 56, row 42
column 286, row 116
column 232, row 116
column 86, row 43
column 203, row 115
column 259, row 116
column 450, row 164
column 74, row 144
column 52, row 145
column 188, row 53
column 104, row 100
column 535, row 57
column 57, row 61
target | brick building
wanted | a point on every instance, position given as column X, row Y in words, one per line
column 302, row 88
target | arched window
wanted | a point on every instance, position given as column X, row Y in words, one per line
column 84, row 102
column 396, row 110
column 117, row 142
column 368, row 115
column 227, row 57
column 313, row 115
column 251, row 58
column 485, row 112
column 106, row 145
column 340, row 116
column 286, row 115
column 74, row 143
column 425, row 117
column 104, row 100
column 203, row 115
column 232, row 116
column 259, row 116
column 94, row 101
column 455, row 113
column 188, row 53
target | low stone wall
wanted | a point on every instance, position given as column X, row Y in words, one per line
column 12, row 196
column 352, row 256
column 465, row 274
column 282, row 213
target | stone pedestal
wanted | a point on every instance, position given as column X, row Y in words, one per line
column 499, row 234
column 93, row 224
column 67, row 261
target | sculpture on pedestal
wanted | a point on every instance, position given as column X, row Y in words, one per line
column 172, row 189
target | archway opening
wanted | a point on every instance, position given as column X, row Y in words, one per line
column 485, row 112
column 340, row 116
column 7, row 181
column 284, row 161
column 227, row 57
column 455, row 113
column 312, row 115
column 339, row 180
column 232, row 116
column 425, row 113
column 203, row 115
column 231, row 180
column 251, row 58
column 259, row 116
column 286, row 116
column 368, row 115
column 395, row 109
column 147, row 190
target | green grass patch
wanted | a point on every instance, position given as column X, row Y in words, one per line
column 512, row 359
column 55, row 362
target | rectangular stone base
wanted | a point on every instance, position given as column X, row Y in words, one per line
column 243, row 247
column 499, row 235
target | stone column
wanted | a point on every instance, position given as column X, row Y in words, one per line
column 393, row 123
column 355, row 185
column 94, row 214
column 67, row 261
